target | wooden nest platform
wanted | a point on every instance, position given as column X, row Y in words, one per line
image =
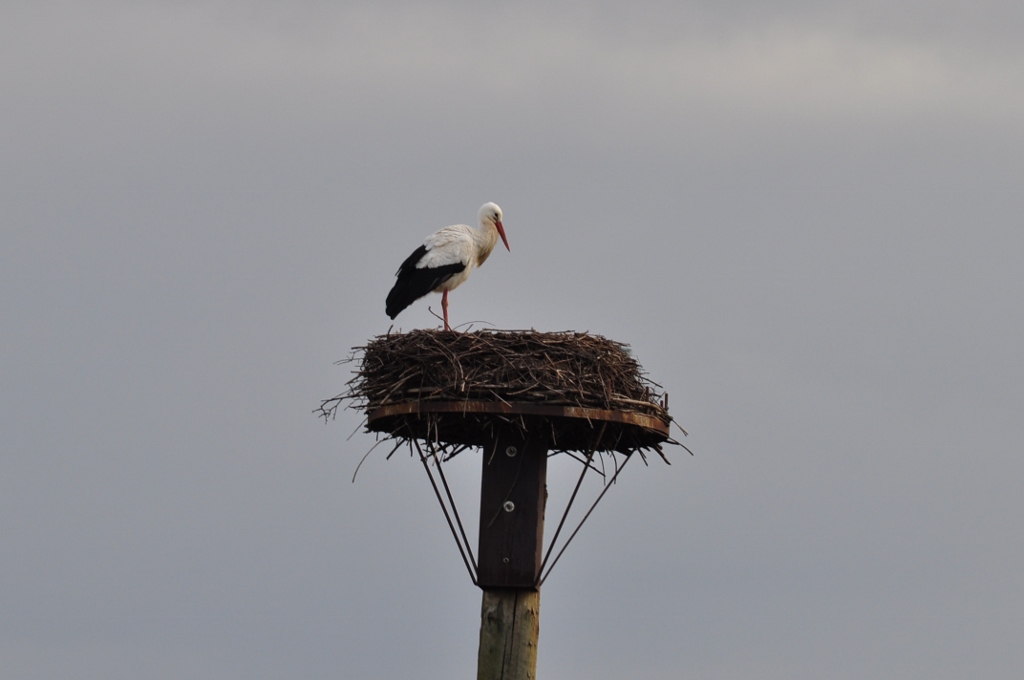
column 574, row 391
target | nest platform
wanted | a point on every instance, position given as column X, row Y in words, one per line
column 572, row 391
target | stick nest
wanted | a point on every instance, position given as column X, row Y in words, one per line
column 566, row 369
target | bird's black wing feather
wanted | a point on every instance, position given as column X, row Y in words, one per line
column 410, row 262
column 413, row 283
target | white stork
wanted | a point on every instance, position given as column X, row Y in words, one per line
column 445, row 260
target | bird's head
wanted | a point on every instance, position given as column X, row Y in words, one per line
column 490, row 213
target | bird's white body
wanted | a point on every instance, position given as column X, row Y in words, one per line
column 445, row 260
column 458, row 243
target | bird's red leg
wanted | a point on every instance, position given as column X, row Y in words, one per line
column 444, row 307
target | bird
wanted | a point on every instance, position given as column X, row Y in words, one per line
column 445, row 260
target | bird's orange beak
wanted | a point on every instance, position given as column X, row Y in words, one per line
column 501, row 233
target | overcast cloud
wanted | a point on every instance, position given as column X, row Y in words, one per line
column 805, row 219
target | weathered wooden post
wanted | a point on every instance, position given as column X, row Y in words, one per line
column 519, row 397
column 513, row 493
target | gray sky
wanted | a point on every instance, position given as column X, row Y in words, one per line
column 805, row 219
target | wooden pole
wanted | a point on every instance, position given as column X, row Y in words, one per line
column 513, row 493
column 509, row 629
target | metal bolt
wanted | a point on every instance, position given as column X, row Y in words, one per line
column 511, row 451
column 509, row 506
